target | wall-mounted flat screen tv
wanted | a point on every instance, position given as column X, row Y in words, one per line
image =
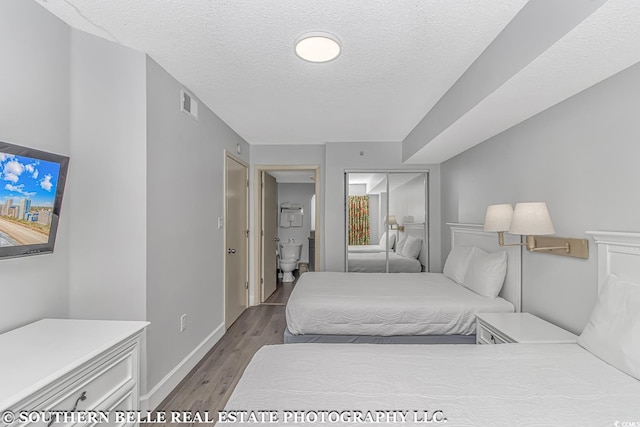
column 31, row 188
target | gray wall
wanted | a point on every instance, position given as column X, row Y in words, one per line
column 108, row 187
column 299, row 194
column 34, row 112
column 581, row 157
column 376, row 156
column 357, row 189
column 137, row 236
column 185, row 194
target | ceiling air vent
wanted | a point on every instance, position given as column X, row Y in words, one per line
column 188, row 104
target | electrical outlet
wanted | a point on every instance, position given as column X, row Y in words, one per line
column 183, row 322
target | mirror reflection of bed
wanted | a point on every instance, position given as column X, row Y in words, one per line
column 407, row 252
column 386, row 222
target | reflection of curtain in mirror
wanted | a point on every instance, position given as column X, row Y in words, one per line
column 359, row 220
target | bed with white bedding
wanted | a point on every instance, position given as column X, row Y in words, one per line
column 471, row 385
column 382, row 246
column 373, row 258
column 330, row 303
column 595, row 382
column 365, row 249
column 377, row 263
column 403, row 308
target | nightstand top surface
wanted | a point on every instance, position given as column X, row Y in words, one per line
column 526, row 328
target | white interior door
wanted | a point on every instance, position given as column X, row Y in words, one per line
column 236, row 240
column 269, row 235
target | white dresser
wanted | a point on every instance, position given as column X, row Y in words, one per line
column 69, row 365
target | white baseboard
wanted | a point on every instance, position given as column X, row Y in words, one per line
column 151, row 400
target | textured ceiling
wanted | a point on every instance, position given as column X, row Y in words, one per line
column 399, row 59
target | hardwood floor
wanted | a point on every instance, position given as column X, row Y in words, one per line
column 209, row 385
column 281, row 294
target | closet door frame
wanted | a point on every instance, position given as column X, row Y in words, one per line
column 387, row 172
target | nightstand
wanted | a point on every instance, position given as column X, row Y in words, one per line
column 500, row 328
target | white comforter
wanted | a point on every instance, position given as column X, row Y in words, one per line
column 470, row 385
column 365, row 249
column 385, row 304
column 377, row 263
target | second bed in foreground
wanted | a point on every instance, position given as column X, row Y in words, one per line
column 469, row 385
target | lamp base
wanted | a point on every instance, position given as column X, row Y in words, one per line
column 576, row 248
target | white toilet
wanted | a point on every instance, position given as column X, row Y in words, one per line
column 289, row 256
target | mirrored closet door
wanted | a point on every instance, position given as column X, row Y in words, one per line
column 386, row 217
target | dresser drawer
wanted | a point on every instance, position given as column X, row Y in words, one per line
column 497, row 328
column 96, row 389
column 485, row 335
column 56, row 363
column 124, row 402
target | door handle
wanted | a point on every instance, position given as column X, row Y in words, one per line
column 276, row 239
column 231, row 251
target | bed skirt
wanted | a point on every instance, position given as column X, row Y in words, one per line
column 290, row 338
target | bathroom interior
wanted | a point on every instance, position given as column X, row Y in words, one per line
column 296, row 223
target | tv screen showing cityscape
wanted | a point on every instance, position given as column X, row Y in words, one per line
column 31, row 187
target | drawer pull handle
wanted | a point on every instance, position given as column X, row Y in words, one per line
column 82, row 397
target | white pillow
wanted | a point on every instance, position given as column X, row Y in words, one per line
column 400, row 244
column 412, row 247
column 383, row 240
column 613, row 331
column 455, row 267
column 486, row 272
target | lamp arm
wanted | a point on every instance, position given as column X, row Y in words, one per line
column 548, row 248
column 502, row 243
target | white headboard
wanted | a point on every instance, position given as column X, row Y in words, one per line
column 619, row 254
column 474, row 235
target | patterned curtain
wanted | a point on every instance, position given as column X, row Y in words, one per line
column 359, row 220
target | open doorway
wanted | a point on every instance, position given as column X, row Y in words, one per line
column 286, row 202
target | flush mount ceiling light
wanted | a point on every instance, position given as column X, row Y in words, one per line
column 317, row 47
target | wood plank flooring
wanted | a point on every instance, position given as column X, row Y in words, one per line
column 281, row 294
column 208, row 386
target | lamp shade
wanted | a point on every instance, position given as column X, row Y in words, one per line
column 531, row 219
column 498, row 217
column 391, row 220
